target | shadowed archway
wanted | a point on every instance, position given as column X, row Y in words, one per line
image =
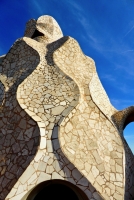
column 57, row 189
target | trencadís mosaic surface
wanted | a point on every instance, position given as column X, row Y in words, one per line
column 57, row 123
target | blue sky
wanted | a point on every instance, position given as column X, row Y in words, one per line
column 104, row 30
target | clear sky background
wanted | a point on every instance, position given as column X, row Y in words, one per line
column 104, row 30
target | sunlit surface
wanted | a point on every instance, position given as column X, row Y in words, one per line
column 129, row 135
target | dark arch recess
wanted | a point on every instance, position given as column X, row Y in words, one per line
column 129, row 119
column 57, row 189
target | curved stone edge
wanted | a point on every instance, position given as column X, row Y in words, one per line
column 46, row 26
column 15, row 119
column 81, row 77
column 100, row 97
column 120, row 118
column 45, row 155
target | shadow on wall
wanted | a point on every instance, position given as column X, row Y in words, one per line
column 75, row 187
column 52, row 47
column 72, row 174
column 19, row 133
column 71, row 171
column 128, row 116
column 2, row 94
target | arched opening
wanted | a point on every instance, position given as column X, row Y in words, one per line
column 129, row 118
column 57, row 189
column 128, row 127
column 129, row 135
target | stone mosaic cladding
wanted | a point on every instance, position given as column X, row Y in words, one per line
column 56, row 121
